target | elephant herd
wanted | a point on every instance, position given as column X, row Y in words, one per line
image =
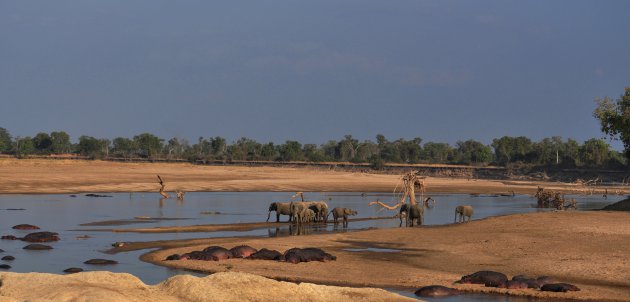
column 300, row 212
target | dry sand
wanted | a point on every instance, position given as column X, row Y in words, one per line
column 588, row 249
column 35, row 176
column 225, row 287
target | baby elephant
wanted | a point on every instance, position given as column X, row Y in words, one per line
column 463, row 212
column 342, row 212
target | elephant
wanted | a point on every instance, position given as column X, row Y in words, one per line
column 342, row 212
column 321, row 210
column 281, row 208
column 463, row 212
column 415, row 212
column 296, row 210
column 404, row 210
column 307, row 215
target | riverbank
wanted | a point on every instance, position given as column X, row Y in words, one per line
column 38, row 176
column 106, row 286
column 583, row 248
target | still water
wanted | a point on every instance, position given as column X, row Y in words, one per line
column 65, row 214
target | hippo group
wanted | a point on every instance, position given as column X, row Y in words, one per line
column 34, row 237
column 217, row 253
column 500, row 280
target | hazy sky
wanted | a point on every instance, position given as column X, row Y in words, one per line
column 311, row 70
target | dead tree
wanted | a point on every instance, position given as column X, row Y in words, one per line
column 180, row 194
column 410, row 182
column 162, row 192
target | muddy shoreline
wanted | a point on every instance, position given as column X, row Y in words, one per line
column 592, row 257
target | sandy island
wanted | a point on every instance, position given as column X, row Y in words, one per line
column 588, row 249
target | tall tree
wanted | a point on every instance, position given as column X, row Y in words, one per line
column 90, row 146
column 148, row 144
column 42, row 143
column 5, row 141
column 60, row 142
column 614, row 118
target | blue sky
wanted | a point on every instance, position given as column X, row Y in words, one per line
column 311, row 70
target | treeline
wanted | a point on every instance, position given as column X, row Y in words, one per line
column 503, row 151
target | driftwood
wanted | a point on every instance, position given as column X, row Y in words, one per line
column 162, row 191
column 551, row 199
column 410, row 182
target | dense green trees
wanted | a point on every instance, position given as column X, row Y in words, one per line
column 5, row 141
column 552, row 151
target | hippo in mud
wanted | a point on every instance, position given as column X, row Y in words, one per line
column 8, row 258
column 515, row 284
column 5, row 266
column 73, row 270
column 100, row 262
column 436, row 291
column 9, row 237
column 41, row 237
column 211, row 253
column 25, row 227
column 535, row 283
column 559, row 287
column 265, row 254
column 297, row 255
column 488, row 278
column 218, row 253
column 242, row 251
column 37, row 247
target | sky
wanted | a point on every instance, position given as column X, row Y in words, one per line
column 311, row 70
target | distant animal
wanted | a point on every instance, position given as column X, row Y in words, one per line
column 463, row 212
column 342, row 212
column 281, row 208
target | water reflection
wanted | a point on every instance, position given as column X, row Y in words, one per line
column 62, row 213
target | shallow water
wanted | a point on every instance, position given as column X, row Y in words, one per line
column 64, row 214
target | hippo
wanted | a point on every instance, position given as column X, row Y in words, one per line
column 25, row 227
column 173, row 257
column 100, row 261
column 217, row 253
column 37, row 247
column 436, row 291
column 242, row 251
column 97, row 195
column 41, row 237
column 514, row 284
column 265, row 254
column 9, row 237
column 8, row 258
column 296, row 255
column 488, row 278
column 534, row 283
column 5, row 266
column 559, row 287
column 73, row 270
column 542, row 280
